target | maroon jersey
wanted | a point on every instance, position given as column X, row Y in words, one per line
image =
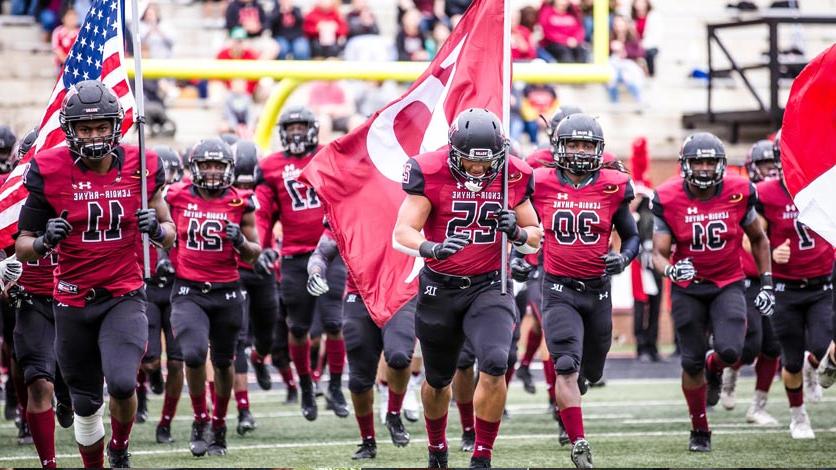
column 708, row 231
column 810, row 254
column 539, row 157
column 455, row 210
column 249, row 195
column 37, row 275
column 283, row 198
column 100, row 251
column 202, row 252
column 750, row 268
column 578, row 221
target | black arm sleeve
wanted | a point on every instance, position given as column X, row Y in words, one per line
column 250, row 204
column 413, row 178
column 159, row 177
column 529, row 190
column 625, row 225
column 325, row 252
column 36, row 211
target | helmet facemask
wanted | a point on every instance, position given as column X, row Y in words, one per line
column 92, row 148
column 471, row 182
column 578, row 163
column 703, row 178
column 299, row 142
column 212, row 180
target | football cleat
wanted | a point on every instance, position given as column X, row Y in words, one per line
column 118, row 458
column 197, row 442
column 217, row 447
column 700, row 441
column 64, row 414
column 756, row 414
column 141, row 405
column 24, row 435
column 480, row 462
column 581, row 454
column 812, row 389
column 713, row 381
column 800, row 427
column 155, row 380
column 524, row 374
column 163, row 435
column 292, row 395
column 335, row 400
column 727, row 396
column 10, row 409
column 366, row 450
column 562, row 436
column 309, row 409
column 437, row 459
column 246, row 422
column 400, row 437
column 411, row 405
column 262, row 375
column 827, row 372
column 468, row 441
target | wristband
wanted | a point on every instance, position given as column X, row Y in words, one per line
column 766, row 280
column 520, row 236
column 160, row 235
column 427, row 249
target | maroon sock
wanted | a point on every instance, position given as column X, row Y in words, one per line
column 714, row 364
column 242, row 399
column 486, row 432
column 301, row 356
column 572, row 418
column 92, row 456
column 335, row 353
column 551, row 377
column 219, row 411
column 695, row 398
column 509, row 374
column 765, row 372
column 199, row 407
column 416, row 373
column 42, row 426
column 395, row 401
column 811, row 359
column 120, row 433
column 366, row 424
column 287, row 376
column 466, row 415
column 255, row 357
column 532, row 344
column 437, row 433
column 796, row 396
column 169, row 409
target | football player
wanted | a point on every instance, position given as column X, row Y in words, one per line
column 216, row 226
column 760, row 344
column 704, row 213
column 802, row 266
column 84, row 205
column 283, row 198
column 454, row 196
column 579, row 200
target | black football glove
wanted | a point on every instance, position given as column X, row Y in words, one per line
column 264, row 263
column 146, row 221
column 614, row 262
column 57, row 229
column 520, row 269
column 233, row 233
column 765, row 301
column 683, row 270
column 450, row 246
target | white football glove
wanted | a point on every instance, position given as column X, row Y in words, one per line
column 10, row 271
column 317, row 285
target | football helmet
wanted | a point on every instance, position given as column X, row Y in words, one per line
column 702, row 146
column 476, row 135
column 20, row 149
column 91, row 100
column 762, row 151
column 299, row 143
column 247, row 172
column 212, row 150
column 7, row 153
column 561, row 113
column 171, row 163
column 578, row 127
column 230, row 139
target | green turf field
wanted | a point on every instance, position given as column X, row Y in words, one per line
column 628, row 423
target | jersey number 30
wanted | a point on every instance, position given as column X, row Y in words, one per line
column 569, row 228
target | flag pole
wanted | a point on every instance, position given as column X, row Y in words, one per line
column 506, row 126
column 140, row 127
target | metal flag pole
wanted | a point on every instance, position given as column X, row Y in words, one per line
column 506, row 126
column 140, row 123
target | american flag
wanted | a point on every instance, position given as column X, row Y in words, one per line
column 97, row 54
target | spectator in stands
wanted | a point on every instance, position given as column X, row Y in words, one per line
column 410, row 41
column 156, row 37
column 47, row 13
column 238, row 111
column 454, row 9
column 626, row 59
column 64, row 36
column 237, row 49
column 537, row 100
column 286, row 29
column 648, row 25
column 563, row 30
column 333, row 104
column 326, row 28
column 246, row 14
column 437, row 38
column 523, row 47
column 431, row 11
column 24, row 7
column 361, row 20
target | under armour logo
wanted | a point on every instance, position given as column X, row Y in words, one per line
column 191, row 206
column 562, row 196
column 430, row 290
column 351, row 298
column 557, row 287
column 603, row 295
column 692, row 210
column 62, row 304
column 231, row 295
column 244, row 294
column 790, row 208
column 437, row 446
column 183, row 291
column 85, row 185
column 827, row 287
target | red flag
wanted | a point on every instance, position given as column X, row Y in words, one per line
column 808, row 146
column 95, row 55
column 359, row 175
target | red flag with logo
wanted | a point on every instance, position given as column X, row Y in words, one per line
column 808, row 146
column 359, row 175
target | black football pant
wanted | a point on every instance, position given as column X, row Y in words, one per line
column 760, row 337
column 102, row 341
column 577, row 324
column 365, row 340
column 467, row 356
column 34, row 338
column 300, row 305
column 703, row 308
column 158, row 312
column 202, row 317
column 803, row 321
column 279, row 352
column 262, row 307
column 245, row 337
column 447, row 315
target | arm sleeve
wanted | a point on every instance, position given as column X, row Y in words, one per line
column 159, row 175
column 413, row 178
column 659, row 225
column 250, row 204
column 326, row 250
column 529, row 190
column 36, row 211
column 625, row 225
column 750, row 217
